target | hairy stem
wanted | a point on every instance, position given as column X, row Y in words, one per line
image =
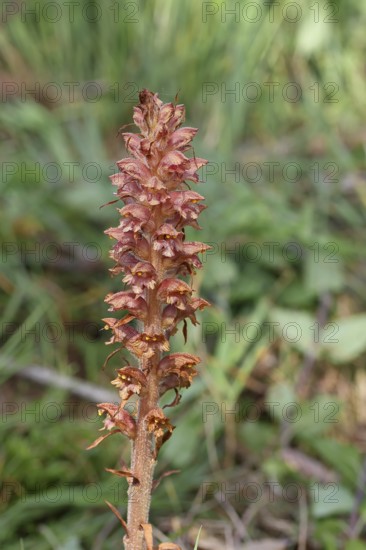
column 142, row 466
column 142, row 459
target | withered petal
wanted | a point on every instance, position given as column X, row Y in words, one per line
column 175, row 360
column 134, row 168
column 170, row 286
column 181, row 137
column 194, row 247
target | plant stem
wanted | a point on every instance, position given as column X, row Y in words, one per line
column 143, row 460
column 142, row 466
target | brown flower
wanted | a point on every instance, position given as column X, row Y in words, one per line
column 134, row 168
column 154, row 342
column 194, row 165
column 172, row 168
column 128, row 242
column 127, row 300
column 174, row 361
column 159, row 425
column 153, row 192
column 184, row 208
column 181, row 138
column 117, row 421
column 175, row 292
column 167, row 240
column 130, row 380
column 138, row 218
column 177, row 371
column 140, row 276
column 172, row 315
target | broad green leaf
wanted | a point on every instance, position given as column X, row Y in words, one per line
column 317, row 416
column 294, row 327
column 331, row 499
column 349, row 337
column 280, row 400
column 344, row 458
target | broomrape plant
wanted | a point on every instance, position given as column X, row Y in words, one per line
column 152, row 255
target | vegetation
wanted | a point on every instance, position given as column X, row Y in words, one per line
column 284, row 343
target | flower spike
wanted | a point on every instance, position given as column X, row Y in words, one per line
column 157, row 264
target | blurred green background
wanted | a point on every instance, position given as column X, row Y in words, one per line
column 278, row 93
